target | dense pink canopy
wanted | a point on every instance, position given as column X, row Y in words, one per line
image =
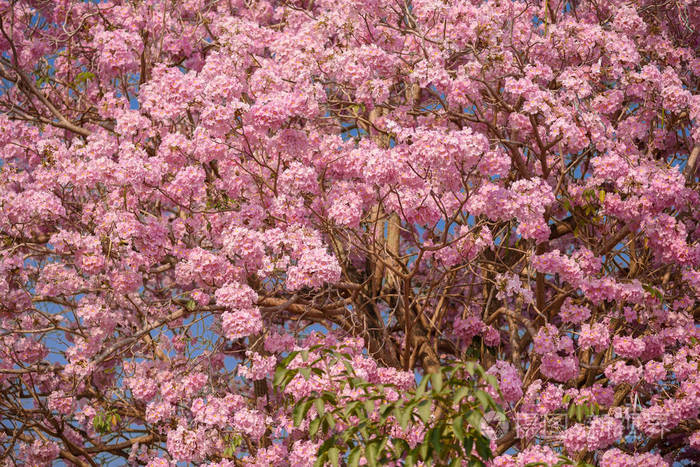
column 191, row 189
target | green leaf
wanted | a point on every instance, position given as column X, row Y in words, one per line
column 351, row 408
column 236, row 441
column 654, row 292
column 348, row 434
column 423, row 450
column 371, row 453
column 474, row 419
column 436, row 439
column 84, row 76
column 348, row 367
column 400, row 446
column 436, row 380
column 411, row 458
column 421, row 389
column 285, row 361
column 468, row 444
column 320, row 407
column 306, row 372
column 492, row 380
column 330, row 420
column 458, row 427
column 369, row 407
column 485, row 399
column 382, row 447
column 405, row 418
column 460, row 394
column 327, row 444
column 280, row 373
column 354, row 457
column 482, row 447
column 579, row 412
column 356, row 383
column 314, row 426
column 333, row 455
column 385, row 410
column 424, row 411
column 300, row 412
column 469, row 368
column 567, row 205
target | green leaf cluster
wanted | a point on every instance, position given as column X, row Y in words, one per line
column 580, row 411
column 105, row 421
column 447, row 407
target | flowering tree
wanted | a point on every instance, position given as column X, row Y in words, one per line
column 223, row 220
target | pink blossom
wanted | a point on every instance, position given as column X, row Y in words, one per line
column 620, row 372
column 61, row 402
column 509, row 381
column 575, row 439
column 596, row 336
column 261, row 367
column 241, row 323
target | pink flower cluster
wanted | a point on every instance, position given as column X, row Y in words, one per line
column 599, row 434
